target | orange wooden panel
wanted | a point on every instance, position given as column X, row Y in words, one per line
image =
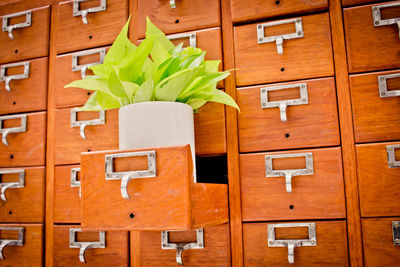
column 331, row 248
column 320, row 195
column 308, row 125
column 28, row 255
column 216, row 250
column 378, row 242
column 28, row 94
column 26, row 148
column 375, row 118
column 102, row 28
column 371, row 48
column 66, row 198
column 357, row 2
column 187, row 16
column 259, row 9
column 261, row 63
column 21, row 5
column 378, row 184
column 29, row 42
column 115, row 253
column 24, row 204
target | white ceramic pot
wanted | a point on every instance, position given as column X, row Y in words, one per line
column 157, row 124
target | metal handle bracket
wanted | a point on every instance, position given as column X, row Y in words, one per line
column 378, row 21
column 396, row 232
column 382, row 83
column 9, row 28
column 5, row 131
column 84, row 12
column 192, row 38
column 82, row 124
column 11, row 242
column 7, row 78
column 84, row 67
column 74, row 179
column 392, row 162
column 8, row 185
column 83, row 246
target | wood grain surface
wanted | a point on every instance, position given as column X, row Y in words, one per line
column 357, row 2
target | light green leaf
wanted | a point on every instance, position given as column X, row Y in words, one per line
column 159, row 54
column 97, row 84
column 211, row 65
column 149, row 68
column 102, row 70
column 130, row 89
column 223, row 98
column 169, row 88
column 107, row 101
column 196, row 103
column 92, row 104
column 115, row 86
column 153, row 31
column 193, row 61
column 144, row 92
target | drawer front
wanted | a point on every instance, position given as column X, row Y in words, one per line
column 25, row 199
column 101, row 29
column 216, row 251
column 25, row 148
column 318, row 195
column 330, row 249
column 115, row 250
column 67, row 199
column 186, row 16
column 357, row 2
column 371, row 48
column 379, row 248
column 65, row 74
column 259, row 9
column 30, row 253
column 29, row 42
column 26, row 92
column 376, row 116
column 262, row 127
column 379, row 184
column 261, row 63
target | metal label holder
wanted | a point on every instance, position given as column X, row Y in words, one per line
column 378, row 21
column 392, row 162
column 11, row 242
column 83, row 246
column 5, row 131
column 7, row 78
column 9, row 185
column 84, row 67
column 291, row 244
column 84, row 12
column 191, row 36
column 74, row 179
column 382, row 83
column 180, row 247
column 396, row 233
column 9, row 28
column 82, row 124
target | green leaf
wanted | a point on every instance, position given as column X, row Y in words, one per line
column 211, row 65
column 107, row 101
column 92, row 104
column 116, row 86
column 144, row 92
column 153, row 31
column 159, row 54
column 169, row 88
column 193, row 61
column 102, row 70
column 196, row 103
column 97, row 84
column 223, row 98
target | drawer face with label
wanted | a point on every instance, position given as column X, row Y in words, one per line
column 290, row 115
column 67, row 194
column 24, row 35
column 105, row 248
column 86, row 24
column 378, row 167
column 376, row 106
column 283, row 50
column 22, row 200
column 23, row 139
column 372, row 37
column 292, row 185
column 208, row 246
column 23, row 86
column 314, row 244
column 381, row 240
column 173, row 16
column 24, row 245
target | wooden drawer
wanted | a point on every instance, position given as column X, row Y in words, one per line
column 379, row 248
column 376, row 116
column 371, row 48
column 378, row 183
column 259, row 9
column 330, row 248
column 180, row 203
column 357, row 2
column 29, row 42
column 187, row 16
column 260, row 63
column 26, row 94
column 101, row 29
column 114, row 253
column 25, row 201
column 25, row 148
column 30, row 253
column 150, row 252
column 67, row 199
column 318, row 195
column 261, row 127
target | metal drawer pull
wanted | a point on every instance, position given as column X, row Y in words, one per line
column 262, row 39
column 83, row 68
column 283, row 104
column 180, row 247
column 378, row 21
column 74, row 179
column 288, row 174
column 5, row 131
column 292, row 243
column 83, row 246
column 382, row 83
column 8, row 185
column 84, row 12
column 10, row 28
column 172, row 3
column 82, row 124
column 7, row 78
column 191, row 36
column 392, row 162
column 11, row 242
column 396, row 232
column 128, row 175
